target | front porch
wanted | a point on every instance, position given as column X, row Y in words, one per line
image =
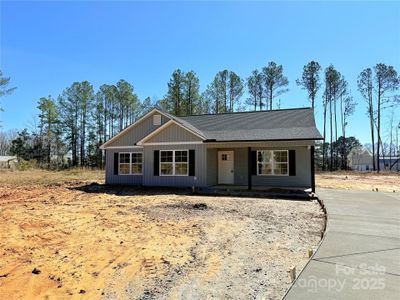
column 237, row 168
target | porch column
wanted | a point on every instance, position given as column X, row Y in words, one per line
column 312, row 166
column 249, row 166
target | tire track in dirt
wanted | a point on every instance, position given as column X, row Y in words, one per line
column 139, row 245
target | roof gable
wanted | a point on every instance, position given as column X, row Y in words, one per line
column 129, row 138
column 172, row 132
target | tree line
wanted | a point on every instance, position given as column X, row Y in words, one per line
column 77, row 123
column 80, row 119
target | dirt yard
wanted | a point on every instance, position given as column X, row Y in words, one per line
column 65, row 235
column 384, row 182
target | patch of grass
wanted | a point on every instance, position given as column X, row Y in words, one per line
column 385, row 181
column 43, row 177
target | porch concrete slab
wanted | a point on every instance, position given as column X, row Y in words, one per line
column 359, row 257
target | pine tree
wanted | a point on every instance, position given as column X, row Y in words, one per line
column 365, row 87
column 48, row 120
column 386, row 82
column 274, row 81
column 256, row 90
column 310, row 80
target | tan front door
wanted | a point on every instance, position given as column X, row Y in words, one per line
column 225, row 167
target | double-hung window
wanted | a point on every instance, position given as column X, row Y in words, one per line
column 130, row 163
column 174, row 162
column 272, row 162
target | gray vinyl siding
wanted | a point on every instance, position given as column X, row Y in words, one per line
column 241, row 164
column 121, row 179
column 173, row 133
column 303, row 170
column 206, row 166
column 131, row 137
column 199, row 180
column 212, row 166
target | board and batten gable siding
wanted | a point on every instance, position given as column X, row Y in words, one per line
column 131, row 137
column 121, row 179
column 200, row 178
column 173, row 133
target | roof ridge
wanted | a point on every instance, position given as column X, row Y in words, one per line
column 246, row 112
column 186, row 124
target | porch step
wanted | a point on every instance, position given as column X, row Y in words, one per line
column 272, row 193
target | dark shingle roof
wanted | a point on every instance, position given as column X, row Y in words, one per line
column 284, row 124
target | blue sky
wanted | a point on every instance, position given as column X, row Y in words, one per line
column 45, row 46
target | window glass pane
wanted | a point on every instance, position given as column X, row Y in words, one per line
column 124, row 157
column 280, row 156
column 124, row 169
column 181, row 169
column 181, row 156
column 284, row 169
column 166, row 169
column 264, row 169
column 281, row 169
column 264, row 156
column 136, row 157
column 259, row 156
column 267, row 169
column 137, row 169
column 166, row 156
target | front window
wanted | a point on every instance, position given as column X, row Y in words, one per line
column 130, row 163
column 272, row 162
column 174, row 162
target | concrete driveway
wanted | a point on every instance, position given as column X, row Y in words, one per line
column 359, row 257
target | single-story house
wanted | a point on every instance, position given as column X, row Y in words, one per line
column 360, row 160
column 250, row 149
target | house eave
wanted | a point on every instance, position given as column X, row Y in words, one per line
column 262, row 140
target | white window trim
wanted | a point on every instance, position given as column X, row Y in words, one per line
column 272, row 162
column 173, row 163
column 130, row 163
